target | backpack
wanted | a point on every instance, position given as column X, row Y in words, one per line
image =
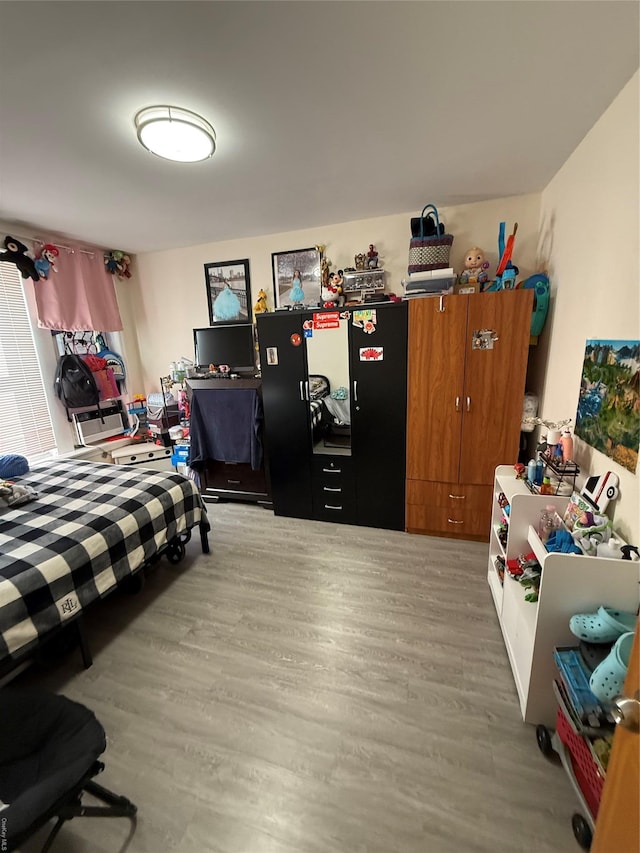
column 74, row 383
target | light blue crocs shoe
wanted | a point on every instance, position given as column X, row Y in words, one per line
column 605, row 626
column 607, row 679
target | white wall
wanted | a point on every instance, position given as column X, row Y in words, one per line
column 171, row 298
column 589, row 242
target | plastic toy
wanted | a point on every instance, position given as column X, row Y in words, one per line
column 16, row 253
column 506, row 272
column 372, row 257
column 539, row 283
column 360, row 261
column 261, row 303
column 331, row 295
column 475, row 267
column 45, row 262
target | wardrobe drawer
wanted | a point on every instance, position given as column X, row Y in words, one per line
column 461, row 522
column 333, row 506
column 427, row 493
column 330, row 467
column 334, row 494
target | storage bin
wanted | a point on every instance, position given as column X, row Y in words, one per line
column 163, row 417
column 585, row 766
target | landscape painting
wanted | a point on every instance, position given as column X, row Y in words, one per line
column 608, row 415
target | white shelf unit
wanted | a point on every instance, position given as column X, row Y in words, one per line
column 570, row 583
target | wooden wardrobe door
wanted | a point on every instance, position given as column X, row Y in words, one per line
column 435, row 384
column 494, row 383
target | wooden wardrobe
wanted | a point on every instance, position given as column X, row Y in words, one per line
column 467, row 362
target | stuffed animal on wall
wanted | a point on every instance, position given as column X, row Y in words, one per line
column 45, row 262
column 16, row 253
column 117, row 263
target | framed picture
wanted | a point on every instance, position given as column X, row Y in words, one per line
column 296, row 277
column 228, row 291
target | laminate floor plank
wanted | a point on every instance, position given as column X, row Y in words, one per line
column 312, row 688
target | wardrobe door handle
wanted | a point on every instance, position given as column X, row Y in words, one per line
column 233, row 482
column 457, row 404
column 306, row 391
column 302, row 390
column 332, row 470
column 327, row 506
column 328, row 489
column 453, row 521
column 355, row 390
column 458, row 497
column 468, row 404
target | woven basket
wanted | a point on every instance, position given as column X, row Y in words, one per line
column 429, row 253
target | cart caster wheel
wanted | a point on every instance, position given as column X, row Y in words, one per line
column 185, row 537
column 176, row 552
column 543, row 738
column 581, row 831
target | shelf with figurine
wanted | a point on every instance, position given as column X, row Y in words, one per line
column 363, row 281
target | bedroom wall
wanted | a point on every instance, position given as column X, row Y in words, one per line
column 171, row 297
column 589, row 241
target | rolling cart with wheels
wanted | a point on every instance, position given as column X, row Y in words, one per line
column 571, row 741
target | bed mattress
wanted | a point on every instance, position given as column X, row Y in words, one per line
column 90, row 527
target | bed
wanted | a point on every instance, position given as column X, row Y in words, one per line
column 91, row 527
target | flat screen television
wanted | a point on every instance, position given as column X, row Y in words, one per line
column 230, row 344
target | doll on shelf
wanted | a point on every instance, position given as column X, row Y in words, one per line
column 475, row 267
column 331, row 293
column 372, row 257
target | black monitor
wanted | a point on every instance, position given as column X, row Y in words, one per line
column 231, row 344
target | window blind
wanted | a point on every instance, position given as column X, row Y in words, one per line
column 25, row 422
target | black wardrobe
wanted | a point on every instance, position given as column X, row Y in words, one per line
column 335, row 396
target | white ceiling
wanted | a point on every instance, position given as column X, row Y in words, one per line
column 324, row 111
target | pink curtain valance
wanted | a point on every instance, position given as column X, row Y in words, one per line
column 80, row 295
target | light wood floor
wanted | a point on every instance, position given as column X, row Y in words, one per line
column 313, row 688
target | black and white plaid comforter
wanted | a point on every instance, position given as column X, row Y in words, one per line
column 91, row 526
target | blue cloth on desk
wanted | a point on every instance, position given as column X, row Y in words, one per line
column 562, row 541
column 225, row 425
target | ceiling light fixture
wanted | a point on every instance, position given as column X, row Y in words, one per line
column 175, row 134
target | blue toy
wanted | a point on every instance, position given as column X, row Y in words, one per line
column 506, row 272
column 539, row 283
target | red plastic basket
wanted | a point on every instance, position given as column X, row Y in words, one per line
column 588, row 774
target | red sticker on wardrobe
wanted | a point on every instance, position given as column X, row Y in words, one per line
column 295, row 339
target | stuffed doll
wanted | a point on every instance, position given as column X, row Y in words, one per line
column 16, row 254
column 261, row 303
column 475, row 267
column 331, row 294
column 45, row 262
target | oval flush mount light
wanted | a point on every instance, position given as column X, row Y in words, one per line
column 175, row 134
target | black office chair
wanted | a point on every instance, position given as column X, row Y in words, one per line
column 49, row 749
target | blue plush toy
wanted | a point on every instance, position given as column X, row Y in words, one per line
column 13, row 465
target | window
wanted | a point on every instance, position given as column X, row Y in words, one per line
column 25, row 421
